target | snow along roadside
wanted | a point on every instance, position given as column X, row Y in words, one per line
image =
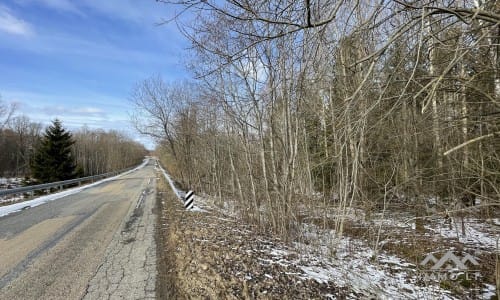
column 180, row 193
column 8, row 209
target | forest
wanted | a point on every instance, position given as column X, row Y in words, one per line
column 94, row 151
column 302, row 106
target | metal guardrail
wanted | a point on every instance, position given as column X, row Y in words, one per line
column 58, row 184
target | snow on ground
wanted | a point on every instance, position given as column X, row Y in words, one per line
column 10, row 183
column 196, row 208
column 355, row 265
column 478, row 235
column 8, row 209
column 489, row 292
column 9, row 199
column 350, row 263
column 180, row 193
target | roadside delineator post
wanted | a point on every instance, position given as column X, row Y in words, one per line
column 188, row 200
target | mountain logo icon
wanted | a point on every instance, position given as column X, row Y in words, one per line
column 449, row 261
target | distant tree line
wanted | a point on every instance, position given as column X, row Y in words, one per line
column 17, row 141
column 98, row 151
column 25, row 144
column 334, row 104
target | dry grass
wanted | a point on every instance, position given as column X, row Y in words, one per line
column 211, row 256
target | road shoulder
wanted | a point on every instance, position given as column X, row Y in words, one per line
column 211, row 256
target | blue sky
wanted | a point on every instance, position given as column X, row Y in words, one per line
column 79, row 60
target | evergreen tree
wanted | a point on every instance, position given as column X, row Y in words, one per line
column 53, row 160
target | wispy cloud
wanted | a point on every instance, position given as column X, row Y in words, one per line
column 70, row 45
column 89, row 110
column 43, row 108
column 32, row 100
column 63, row 5
column 130, row 10
column 82, row 112
column 57, row 41
column 12, row 24
column 59, row 5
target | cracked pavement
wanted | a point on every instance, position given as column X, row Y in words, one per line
column 129, row 269
column 95, row 244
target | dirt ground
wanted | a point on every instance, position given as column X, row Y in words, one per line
column 204, row 255
column 211, row 254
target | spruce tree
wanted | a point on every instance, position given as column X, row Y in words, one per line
column 53, row 160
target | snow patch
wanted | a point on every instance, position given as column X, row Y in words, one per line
column 356, row 266
column 11, row 199
column 320, row 274
column 477, row 235
column 489, row 291
column 197, row 209
column 180, row 193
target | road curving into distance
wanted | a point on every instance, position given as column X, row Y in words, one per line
column 96, row 244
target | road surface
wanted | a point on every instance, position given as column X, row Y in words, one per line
column 96, row 244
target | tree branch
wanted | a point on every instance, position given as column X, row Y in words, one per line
column 479, row 138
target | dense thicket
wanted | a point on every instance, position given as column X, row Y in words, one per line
column 320, row 104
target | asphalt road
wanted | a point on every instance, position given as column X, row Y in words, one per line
column 96, row 244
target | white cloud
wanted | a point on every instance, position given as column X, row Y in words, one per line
column 12, row 24
column 131, row 10
column 60, row 5
column 63, row 5
column 105, row 112
column 144, row 14
column 89, row 110
column 80, row 112
column 148, row 11
column 71, row 45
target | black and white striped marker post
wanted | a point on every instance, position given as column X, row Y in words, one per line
column 188, row 200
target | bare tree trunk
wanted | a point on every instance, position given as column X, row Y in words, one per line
column 235, row 174
column 435, row 112
column 309, row 188
column 465, row 119
column 255, row 198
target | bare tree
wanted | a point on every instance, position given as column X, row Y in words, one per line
column 6, row 112
column 99, row 151
column 156, row 104
column 366, row 102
